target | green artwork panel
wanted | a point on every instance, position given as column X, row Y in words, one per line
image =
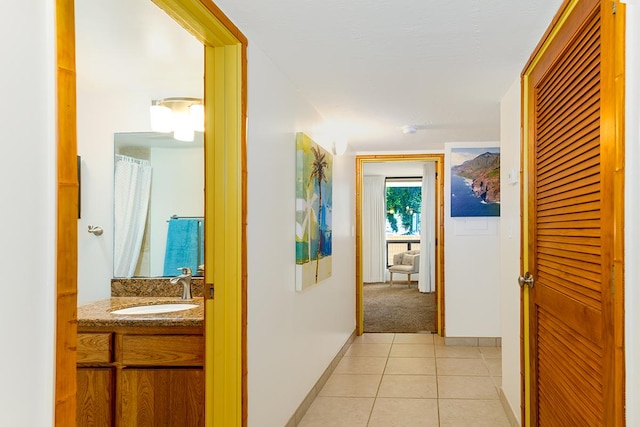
column 314, row 201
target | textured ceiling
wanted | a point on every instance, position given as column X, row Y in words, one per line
column 369, row 67
column 377, row 65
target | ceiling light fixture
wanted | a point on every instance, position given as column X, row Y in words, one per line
column 182, row 116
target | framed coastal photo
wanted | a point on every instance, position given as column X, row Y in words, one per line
column 475, row 182
column 314, row 200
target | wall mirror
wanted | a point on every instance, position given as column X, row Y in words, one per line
column 158, row 204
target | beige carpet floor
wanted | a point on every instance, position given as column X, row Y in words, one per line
column 398, row 308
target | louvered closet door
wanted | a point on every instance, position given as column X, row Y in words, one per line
column 570, row 302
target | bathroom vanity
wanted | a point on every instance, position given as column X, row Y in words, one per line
column 140, row 369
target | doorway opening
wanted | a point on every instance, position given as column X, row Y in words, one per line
column 225, row 150
column 395, row 295
column 399, row 233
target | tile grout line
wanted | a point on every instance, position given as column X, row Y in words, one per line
column 375, row 398
column 435, row 362
column 396, row 339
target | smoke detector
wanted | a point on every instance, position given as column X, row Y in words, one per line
column 409, row 129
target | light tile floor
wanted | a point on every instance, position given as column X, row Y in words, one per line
column 393, row 380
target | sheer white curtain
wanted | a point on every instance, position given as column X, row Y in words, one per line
column 131, row 201
column 374, row 222
column 427, row 277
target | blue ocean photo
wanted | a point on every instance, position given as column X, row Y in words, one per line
column 465, row 203
column 475, row 182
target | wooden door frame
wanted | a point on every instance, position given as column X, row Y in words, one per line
column 225, row 51
column 612, row 142
column 361, row 160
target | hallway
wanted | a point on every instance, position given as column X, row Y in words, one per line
column 411, row 380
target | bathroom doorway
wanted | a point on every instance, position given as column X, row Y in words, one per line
column 225, row 91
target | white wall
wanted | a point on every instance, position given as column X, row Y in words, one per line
column 27, row 216
column 292, row 336
column 177, row 189
column 510, row 245
column 632, row 207
column 471, row 267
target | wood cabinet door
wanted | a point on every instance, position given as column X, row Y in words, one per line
column 161, row 397
column 94, row 397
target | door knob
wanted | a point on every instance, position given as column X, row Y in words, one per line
column 527, row 279
column 95, row 230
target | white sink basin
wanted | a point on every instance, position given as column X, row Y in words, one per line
column 154, row 309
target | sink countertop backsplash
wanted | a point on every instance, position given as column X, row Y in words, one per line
column 144, row 291
column 152, row 287
column 98, row 313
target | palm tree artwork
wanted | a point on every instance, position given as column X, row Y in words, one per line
column 313, row 212
column 318, row 172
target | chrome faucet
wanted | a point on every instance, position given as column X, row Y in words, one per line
column 185, row 280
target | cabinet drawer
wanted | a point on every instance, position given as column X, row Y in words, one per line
column 94, row 348
column 162, row 350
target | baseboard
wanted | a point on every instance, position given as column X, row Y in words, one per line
column 313, row 393
column 513, row 420
column 473, row 341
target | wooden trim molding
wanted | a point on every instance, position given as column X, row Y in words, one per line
column 612, row 126
column 67, row 217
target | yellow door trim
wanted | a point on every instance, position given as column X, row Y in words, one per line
column 225, row 207
column 378, row 158
column 524, row 257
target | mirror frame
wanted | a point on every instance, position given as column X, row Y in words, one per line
column 225, row 51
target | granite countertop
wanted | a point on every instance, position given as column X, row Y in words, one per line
column 98, row 313
column 152, row 287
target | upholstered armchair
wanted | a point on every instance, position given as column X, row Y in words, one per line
column 406, row 263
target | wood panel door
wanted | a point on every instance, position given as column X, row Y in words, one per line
column 572, row 203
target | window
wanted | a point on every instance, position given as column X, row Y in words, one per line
column 403, row 204
column 404, row 198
